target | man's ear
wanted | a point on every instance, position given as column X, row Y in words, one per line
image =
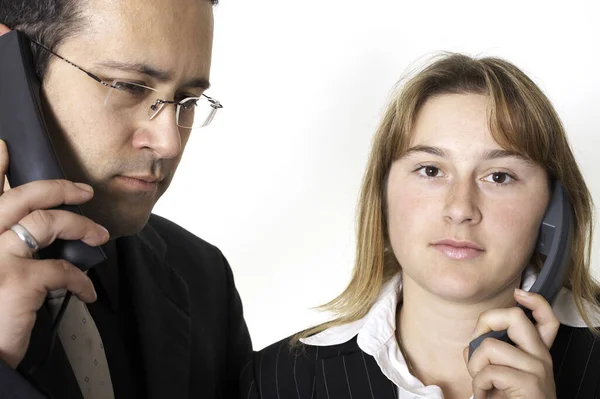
column 3, row 29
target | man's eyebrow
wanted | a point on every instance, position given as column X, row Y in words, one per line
column 145, row 69
column 486, row 156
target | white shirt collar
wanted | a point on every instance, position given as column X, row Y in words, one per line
column 377, row 335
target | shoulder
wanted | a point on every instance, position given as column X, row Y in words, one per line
column 180, row 243
column 176, row 236
column 576, row 361
column 281, row 370
column 184, row 251
column 285, row 369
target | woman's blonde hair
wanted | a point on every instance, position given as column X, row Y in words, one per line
column 521, row 119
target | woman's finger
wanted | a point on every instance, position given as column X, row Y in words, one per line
column 520, row 329
column 513, row 383
column 547, row 324
column 499, row 353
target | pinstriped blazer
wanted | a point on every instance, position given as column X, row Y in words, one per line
column 345, row 372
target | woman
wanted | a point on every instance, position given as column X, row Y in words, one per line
column 458, row 181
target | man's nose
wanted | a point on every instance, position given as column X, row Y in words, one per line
column 162, row 135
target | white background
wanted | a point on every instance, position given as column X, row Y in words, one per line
column 274, row 181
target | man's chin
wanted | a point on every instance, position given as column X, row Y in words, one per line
column 118, row 222
column 126, row 228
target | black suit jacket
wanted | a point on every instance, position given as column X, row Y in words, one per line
column 193, row 337
column 345, row 372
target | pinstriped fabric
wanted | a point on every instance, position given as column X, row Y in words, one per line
column 305, row 372
column 587, row 363
column 245, row 368
column 576, row 357
column 248, row 389
column 277, row 369
column 260, row 374
column 346, row 372
column 564, row 354
column 295, row 378
column 347, row 379
column 381, row 384
column 394, row 394
column 367, row 372
column 325, row 379
column 245, row 379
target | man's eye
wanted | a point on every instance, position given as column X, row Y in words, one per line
column 499, row 178
column 189, row 104
column 428, row 171
column 131, row 88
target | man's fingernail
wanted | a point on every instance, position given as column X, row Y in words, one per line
column 85, row 187
column 521, row 293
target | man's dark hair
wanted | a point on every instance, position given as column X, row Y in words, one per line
column 50, row 22
column 47, row 21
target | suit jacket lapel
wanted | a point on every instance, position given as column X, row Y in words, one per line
column 162, row 307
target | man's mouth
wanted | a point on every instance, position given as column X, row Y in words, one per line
column 144, row 183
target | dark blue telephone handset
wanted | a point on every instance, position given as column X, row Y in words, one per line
column 554, row 241
column 23, row 128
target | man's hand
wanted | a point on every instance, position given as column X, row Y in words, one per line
column 25, row 281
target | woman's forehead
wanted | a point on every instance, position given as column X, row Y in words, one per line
column 452, row 120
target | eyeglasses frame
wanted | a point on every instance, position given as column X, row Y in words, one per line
column 157, row 106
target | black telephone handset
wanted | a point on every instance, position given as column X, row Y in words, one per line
column 23, row 128
column 554, row 241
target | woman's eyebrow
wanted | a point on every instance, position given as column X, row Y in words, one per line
column 486, row 156
column 437, row 151
column 497, row 154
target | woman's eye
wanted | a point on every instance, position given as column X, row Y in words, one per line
column 428, row 171
column 499, row 178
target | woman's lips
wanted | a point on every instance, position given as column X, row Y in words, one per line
column 458, row 253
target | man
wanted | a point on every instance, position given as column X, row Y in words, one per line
column 167, row 312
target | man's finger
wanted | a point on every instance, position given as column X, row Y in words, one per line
column 3, row 165
column 48, row 225
column 54, row 274
column 45, row 194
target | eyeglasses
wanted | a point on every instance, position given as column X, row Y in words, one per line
column 190, row 112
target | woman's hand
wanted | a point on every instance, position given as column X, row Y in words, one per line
column 500, row 370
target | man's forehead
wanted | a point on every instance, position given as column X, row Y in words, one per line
column 152, row 32
column 133, row 15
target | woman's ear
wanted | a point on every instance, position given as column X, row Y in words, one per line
column 3, row 29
